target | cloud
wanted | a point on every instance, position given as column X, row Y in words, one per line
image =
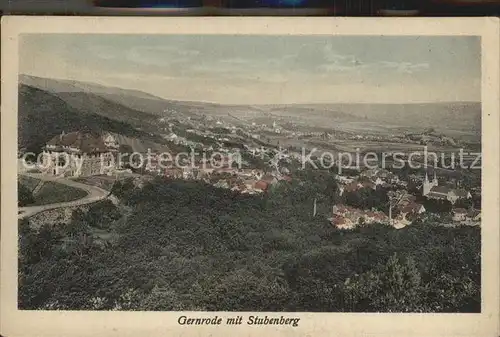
column 271, row 69
column 145, row 55
column 404, row 67
column 336, row 62
column 333, row 56
column 304, row 64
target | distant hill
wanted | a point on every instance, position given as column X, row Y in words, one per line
column 138, row 107
column 61, row 85
column 42, row 115
column 77, row 93
column 442, row 116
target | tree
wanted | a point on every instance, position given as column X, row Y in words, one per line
column 185, row 245
column 400, row 285
column 78, row 225
column 393, row 287
column 24, row 195
column 438, row 206
column 464, row 203
column 123, row 188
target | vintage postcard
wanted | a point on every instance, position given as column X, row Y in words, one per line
column 250, row 177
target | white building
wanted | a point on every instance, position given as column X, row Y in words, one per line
column 78, row 154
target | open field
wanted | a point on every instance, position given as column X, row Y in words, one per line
column 52, row 192
column 103, row 182
column 349, row 145
column 29, row 182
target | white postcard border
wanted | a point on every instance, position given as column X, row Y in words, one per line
column 79, row 323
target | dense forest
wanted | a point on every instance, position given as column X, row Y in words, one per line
column 42, row 115
column 185, row 245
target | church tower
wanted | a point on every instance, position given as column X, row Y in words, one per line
column 434, row 181
column 426, row 187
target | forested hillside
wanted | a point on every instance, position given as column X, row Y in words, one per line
column 178, row 245
column 43, row 115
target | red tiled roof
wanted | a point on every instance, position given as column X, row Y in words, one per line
column 261, row 185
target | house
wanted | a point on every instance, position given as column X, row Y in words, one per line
column 261, row 185
column 173, row 172
column 459, row 214
column 343, row 179
column 79, row 153
column 251, row 187
column 432, row 190
column 250, row 173
column 342, row 222
column 375, row 216
column 354, row 216
column 110, row 141
column 222, row 184
column 400, row 221
column 447, row 193
column 473, row 215
column 356, row 185
column 341, row 210
column 412, row 208
column 249, row 183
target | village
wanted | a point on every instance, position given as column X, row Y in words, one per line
column 405, row 205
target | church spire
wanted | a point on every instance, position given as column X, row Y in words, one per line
column 426, row 186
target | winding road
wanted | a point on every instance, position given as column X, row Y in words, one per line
column 93, row 194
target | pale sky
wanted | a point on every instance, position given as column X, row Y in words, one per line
column 265, row 69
